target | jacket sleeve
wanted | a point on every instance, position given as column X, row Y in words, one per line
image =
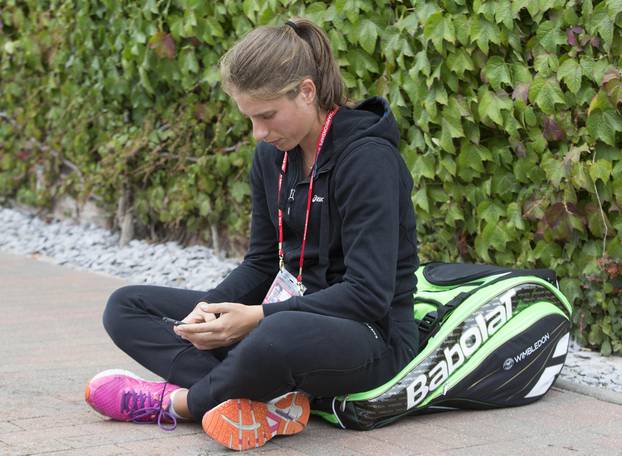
column 367, row 184
column 249, row 282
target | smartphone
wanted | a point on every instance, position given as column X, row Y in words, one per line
column 173, row 321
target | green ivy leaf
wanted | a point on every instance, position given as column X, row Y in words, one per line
column 367, row 35
column 571, row 74
column 600, row 169
column 547, row 252
column 553, row 169
column 490, row 212
column 601, row 23
column 491, row 105
column 497, row 72
column 614, row 7
column 144, row 79
column 424, row 166
column 438, row 28
column 408, row 23
column 452, row 125
column 515, row 216
column 189, row 62
column 420, row 199
column 493, row 236
column 460, row 61
column 504, row 14
column 603, row 125
column 453, row 214
column 449, row 164
column 571, row 288
column 469, row 159
column 550, row 36
column 214, row 27
column 518, row 5
column 484, row 32
column 545, row 93
column 240, row 190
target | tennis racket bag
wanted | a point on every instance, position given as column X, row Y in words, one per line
column 490, row 337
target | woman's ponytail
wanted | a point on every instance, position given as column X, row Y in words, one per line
column 271, row 61
column 330, row 86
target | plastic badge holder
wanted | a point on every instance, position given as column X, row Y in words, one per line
column 284, row 286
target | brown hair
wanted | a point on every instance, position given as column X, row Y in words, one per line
column 272, row 61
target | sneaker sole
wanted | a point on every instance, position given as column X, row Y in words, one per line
column 241, row 424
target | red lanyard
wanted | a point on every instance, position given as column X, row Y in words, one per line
column 320, row 143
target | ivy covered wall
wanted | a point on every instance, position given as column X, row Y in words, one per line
column 509, row 114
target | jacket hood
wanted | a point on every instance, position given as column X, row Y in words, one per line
column 372, row 118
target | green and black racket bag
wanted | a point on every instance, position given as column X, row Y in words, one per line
column 490, row 337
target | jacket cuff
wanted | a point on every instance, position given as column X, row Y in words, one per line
column 274, row 307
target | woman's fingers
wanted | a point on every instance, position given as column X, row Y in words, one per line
column 200, row 338
column 235, row 322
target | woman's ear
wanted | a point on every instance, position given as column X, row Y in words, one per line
column 308, row 91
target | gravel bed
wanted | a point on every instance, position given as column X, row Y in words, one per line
column 93, row 248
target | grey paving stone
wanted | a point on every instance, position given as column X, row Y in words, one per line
column 52, row 342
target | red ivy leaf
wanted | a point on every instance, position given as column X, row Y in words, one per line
column 163, row 44
column 463, row 244
column 557, row 220
column 199, row 111
column 571, row 35
column 521, row 92
column 552, row 130
column 595, row 42
column 609, row 266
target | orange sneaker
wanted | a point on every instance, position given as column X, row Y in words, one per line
column 241, row 424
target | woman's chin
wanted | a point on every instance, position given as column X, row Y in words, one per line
column 280, row 144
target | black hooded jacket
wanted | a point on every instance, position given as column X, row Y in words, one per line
column 361, row 251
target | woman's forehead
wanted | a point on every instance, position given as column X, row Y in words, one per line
column 252, row 106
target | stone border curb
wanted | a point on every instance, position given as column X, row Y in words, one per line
column 592, row 391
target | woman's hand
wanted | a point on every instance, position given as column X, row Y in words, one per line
column 198, row 315
column 206, row 332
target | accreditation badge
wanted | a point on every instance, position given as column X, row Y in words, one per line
column 284, row 286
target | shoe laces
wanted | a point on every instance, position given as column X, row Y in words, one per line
column 144, row 408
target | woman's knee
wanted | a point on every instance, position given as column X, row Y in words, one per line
column 275, row 337
column 117, row 306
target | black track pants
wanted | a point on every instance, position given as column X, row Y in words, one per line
column 323, row 356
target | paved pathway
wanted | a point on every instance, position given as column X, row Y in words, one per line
column 52, row 342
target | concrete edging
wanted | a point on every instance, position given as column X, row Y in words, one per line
column 592, row 391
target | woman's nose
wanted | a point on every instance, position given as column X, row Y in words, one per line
column 260, row 132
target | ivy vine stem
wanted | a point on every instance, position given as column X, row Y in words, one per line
column 602, row 213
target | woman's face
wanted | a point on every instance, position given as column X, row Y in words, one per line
column 283, row 122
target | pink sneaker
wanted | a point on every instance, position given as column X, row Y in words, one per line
column 123, row 396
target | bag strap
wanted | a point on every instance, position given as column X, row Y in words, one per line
column 431, row 323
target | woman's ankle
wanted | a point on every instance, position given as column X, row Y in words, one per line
column 179, row 405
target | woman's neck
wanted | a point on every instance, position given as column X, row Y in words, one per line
column 309, row 142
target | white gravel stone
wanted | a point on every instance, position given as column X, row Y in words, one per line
column 90, row 247
column 196, row 267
